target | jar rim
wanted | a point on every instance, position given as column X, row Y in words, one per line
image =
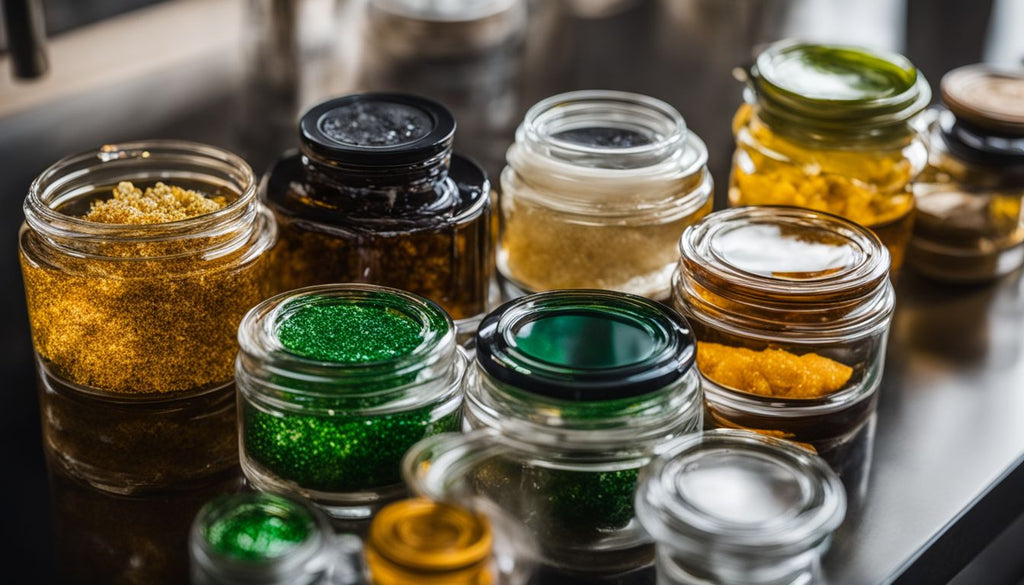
column 441, row 12
column 900, row 91
column 284, row 564
column 662, row 347
column 681, row 518
column 47, row 189
column 300, row 377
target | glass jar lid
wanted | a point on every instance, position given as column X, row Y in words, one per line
column 419, row 535
column 739, row 492
column 257, row 532
column 585, row 345
column 986, row 97
column 445, row 10
column 825, row 90
column 377, row 130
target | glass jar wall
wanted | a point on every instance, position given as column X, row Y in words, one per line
column 791, row 309
column 335, row 383
column 598, row 187
column 730, row 506
column 571, row 392
column 829, row 128
column 139, row 260
column 376, row 196
column 970, row 223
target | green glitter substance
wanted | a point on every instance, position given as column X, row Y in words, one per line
column 585, row 502
column 349, row 333
column 258, row 531
column 339, row 454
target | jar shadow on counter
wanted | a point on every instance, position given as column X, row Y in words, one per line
column 104, row 538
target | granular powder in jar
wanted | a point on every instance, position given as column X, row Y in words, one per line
column 160, row 203
column 151, row 315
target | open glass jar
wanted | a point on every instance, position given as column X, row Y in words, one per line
column 134, row 325
column 593, row 168
column 970, row 221
column 791, row 310
column 571, row 392
column 375, row 195
column 829, row 128
column 335, row 383
column 267, row 539
column 730, row 506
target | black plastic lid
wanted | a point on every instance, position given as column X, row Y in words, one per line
column 377, row 129
column 585, row 345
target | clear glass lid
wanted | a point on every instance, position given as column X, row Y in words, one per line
column 740, row 492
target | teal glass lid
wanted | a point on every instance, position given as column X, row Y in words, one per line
column 836, row 87
column 741, row 492
column 585, row 345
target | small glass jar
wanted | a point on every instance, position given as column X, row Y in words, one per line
column 731, row 506
column 571, row 392
column 829, row 128
column 335, row 383
column 266, row 539
column 134, row 325
column 970, row 223
column 791, row 310
column 375, row 195
column 598, row 187
column 466, row 54
column 420, row 542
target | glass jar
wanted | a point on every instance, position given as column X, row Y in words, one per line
column 970, row 224
column 335, row 383
column 791, row 309
column 466, row 54
column 570, row 393
column 590, row 168
column 267, row 539
column 829, row 128
column 420, row 542
column 375, row 195
column 134, row 325
column 731, row 506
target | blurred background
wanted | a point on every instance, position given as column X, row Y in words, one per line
column 239, row 73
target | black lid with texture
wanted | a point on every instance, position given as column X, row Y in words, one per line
column 377, row 129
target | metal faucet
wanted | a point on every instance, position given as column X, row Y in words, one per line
column 26, row 37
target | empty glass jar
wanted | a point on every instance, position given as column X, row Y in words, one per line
column 571, row 392
column 970, row 223
column 134, row 314
column 598, row 187
column 791, row 309
column 335, row 383
column 829, row 128
column 731, row 506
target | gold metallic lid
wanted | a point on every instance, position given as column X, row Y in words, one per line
column 412, row 540
column 986, row 97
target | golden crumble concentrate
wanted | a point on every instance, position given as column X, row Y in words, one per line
column 160, row 203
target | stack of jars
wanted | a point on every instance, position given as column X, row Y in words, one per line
column 582, row 429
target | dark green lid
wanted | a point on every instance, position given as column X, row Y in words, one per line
column 822, row 90
column 585, row 345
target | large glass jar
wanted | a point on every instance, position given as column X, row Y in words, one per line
column 732, row 506
column 791, row 309
column 571, row 392
column 335, row 383
column 598, row 187
column 970, row 222
column 829, row 128
column 134, row 324
column 465, row 54
column 375, row 195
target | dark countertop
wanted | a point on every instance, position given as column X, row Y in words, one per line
column 948, row 473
